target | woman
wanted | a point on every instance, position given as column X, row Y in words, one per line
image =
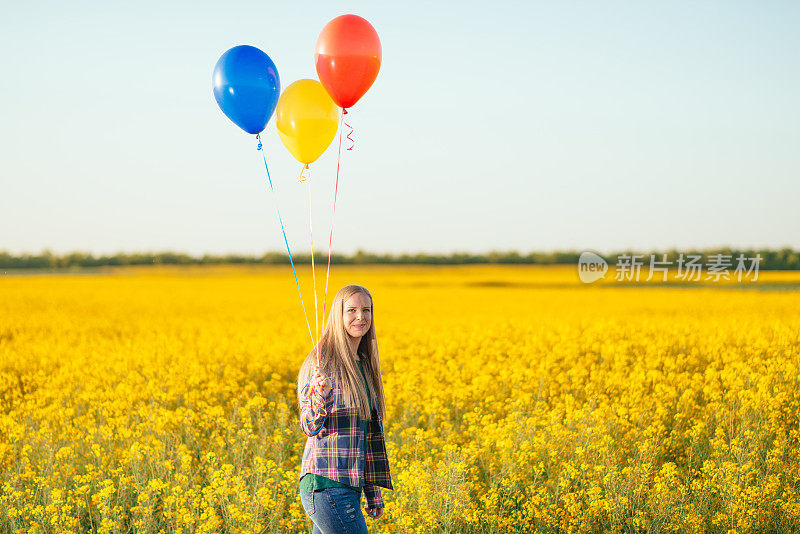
column 342, row 415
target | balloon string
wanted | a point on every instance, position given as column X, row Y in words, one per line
column 330, row 238
column 307, row 179
column 283, row 229
column 352, row 141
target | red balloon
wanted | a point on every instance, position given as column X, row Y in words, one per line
column 348, row 57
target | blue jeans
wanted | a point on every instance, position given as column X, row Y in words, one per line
column 334, row 511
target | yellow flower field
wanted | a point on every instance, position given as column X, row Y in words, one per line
column 162, row 399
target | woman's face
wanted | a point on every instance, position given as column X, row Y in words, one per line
column 357, row 316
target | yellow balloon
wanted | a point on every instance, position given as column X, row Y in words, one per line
column 306, row 118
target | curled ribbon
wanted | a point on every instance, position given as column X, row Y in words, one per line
column 305, row 174
column 352, row 141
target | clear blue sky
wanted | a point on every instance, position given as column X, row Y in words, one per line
column 492, row 125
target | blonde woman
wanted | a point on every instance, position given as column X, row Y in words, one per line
column 345, row 452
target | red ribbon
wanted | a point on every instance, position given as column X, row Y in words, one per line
column 344, row 112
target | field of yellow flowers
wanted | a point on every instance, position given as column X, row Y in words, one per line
column 518, row 400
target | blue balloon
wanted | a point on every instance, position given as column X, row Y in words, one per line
column 246, row 87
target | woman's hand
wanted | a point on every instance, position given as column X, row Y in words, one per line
column 322, row 386
column 375, row 513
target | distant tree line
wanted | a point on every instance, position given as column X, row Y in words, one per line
column 782, row 259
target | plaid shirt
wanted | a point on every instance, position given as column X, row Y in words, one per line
column 337, row 448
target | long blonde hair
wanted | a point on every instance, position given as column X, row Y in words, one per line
column 337, row 362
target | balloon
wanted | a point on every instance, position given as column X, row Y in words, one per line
column 348, row 57
column 246, row 87
column 306, row 119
